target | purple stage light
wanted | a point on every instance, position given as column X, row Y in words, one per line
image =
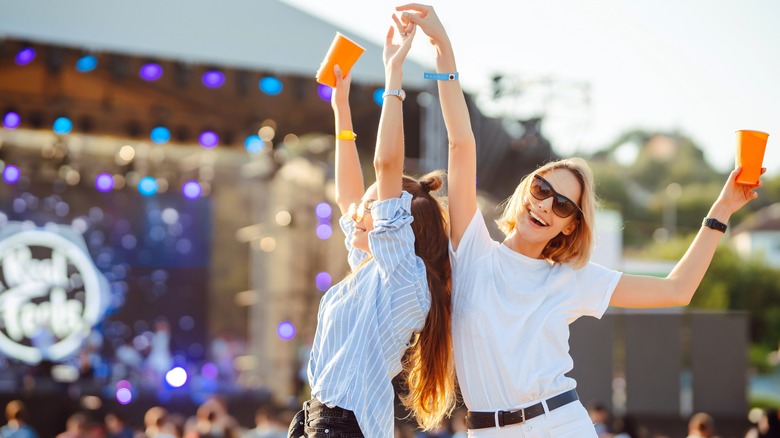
column 324, row 231
column 151, row 71
column 208, row 139
column 323, row 211
column 25, row 56
column 323, row 281
column 124, row 384
column 104, row 182
column 191, row 190
column 124, row 396
column 213, row 78
column 209, row 370
column 11, row 120
column 285, row 330
column 11, row 174
column 325, row 92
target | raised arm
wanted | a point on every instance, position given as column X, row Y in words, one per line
column 678, row 287
column 349, row 177
column 462, row 168
column 389, row 153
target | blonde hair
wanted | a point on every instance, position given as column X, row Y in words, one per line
column 575, row 248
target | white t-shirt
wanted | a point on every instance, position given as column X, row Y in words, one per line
column 510, row 321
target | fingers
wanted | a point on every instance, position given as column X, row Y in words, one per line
column 389, row 37
column 337, row 74
column 399, row 25
column 422, row 9
column 414, row 18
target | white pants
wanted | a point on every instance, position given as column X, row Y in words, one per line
column 568, row 421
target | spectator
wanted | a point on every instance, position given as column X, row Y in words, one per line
column 267, row 423
column 17, row 427
column 116, row 427
column 458, row 422
column 155, row 422
column 768, row 425
column 76, row 427
column 701, row 425
column 628, row 427
column 599, row 415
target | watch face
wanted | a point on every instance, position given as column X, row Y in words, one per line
column 400, row 93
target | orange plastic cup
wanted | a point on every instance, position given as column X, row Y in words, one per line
column 344, row 52
column 751, row 146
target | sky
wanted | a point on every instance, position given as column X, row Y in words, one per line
column 596, row 69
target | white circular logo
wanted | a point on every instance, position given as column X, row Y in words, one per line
column 50, row 296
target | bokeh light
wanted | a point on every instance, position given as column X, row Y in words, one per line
column 325, row 92
column 285, row 330
column 209, row 370
column 104, row 182
column 378, row 95
column 213, row 78
column 254, row 144
column 147, row 186
column 124, row 396
column 62, row 125
column 323, row 280
column 86, row 63
column 271, row 85
column 208, row 139
column 11, row 120
column 323, row 211
column 176, row 377
column 324, row 231
column 151, row 71
column 160, row 134
column 11, row 174
column 191, row 190
column 25, row 56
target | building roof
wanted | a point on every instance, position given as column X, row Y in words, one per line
column 766, row 219
column 251, row 34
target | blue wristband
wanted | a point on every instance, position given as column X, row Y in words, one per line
column 442, row 76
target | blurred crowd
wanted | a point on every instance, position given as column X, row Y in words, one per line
column 700, row 425
column 212, row 420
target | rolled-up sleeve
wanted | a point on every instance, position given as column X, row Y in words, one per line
column 392, row 239
column 354, row 256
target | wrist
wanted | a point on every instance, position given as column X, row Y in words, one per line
column 719, row 212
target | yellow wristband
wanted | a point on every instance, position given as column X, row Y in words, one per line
column 346, row 135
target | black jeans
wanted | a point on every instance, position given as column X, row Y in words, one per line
column 316, row 420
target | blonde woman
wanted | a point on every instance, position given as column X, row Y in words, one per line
column 513, row 300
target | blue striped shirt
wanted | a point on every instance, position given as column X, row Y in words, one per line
column 365, row 321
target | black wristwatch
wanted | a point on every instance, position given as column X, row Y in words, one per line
column 714, row 224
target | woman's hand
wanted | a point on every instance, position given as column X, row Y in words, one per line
column 395, row 54
column 340, row 95
column 734, row 195
column 425, row 17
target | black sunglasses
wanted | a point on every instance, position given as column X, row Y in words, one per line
column 562, row 206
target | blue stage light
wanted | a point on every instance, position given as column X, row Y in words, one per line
column 271, row 85
column 86, row 63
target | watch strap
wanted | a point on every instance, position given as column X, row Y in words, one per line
column 399, row 93
column 441, row 76
column 714, row 224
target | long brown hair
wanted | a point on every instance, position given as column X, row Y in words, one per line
column 428, row 369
